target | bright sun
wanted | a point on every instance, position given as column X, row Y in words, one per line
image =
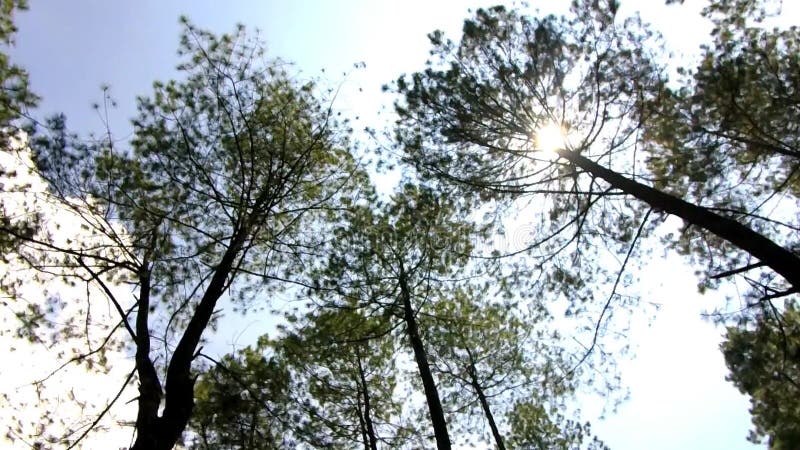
column 550, row 138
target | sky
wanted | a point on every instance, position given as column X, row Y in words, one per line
column 678, row 395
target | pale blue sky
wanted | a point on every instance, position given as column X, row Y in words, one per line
column 679, row 398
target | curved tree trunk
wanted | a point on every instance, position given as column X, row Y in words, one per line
column 779, row 259
column 431, row 393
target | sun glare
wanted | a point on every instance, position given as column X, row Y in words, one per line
column 550, row 138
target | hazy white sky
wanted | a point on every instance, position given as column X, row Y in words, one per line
column 679, row 398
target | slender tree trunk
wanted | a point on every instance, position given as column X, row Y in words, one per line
column 373, row 441
column 498, row 439
column 487, row 411
column 361, row 422
column 431, row 393
column 253, row 425
column 779, row 259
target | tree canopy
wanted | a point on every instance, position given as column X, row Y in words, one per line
column 240, row 183
column 472, row 120
column 227, row 173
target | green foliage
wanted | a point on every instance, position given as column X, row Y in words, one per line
column 243, row 402
column 763, row 356
column 489, row 351
column 416, row 232
column 468, row 124
column 15, row 99
column 235, row 148
column 315, row 387
column 349, row 376
column 535, row 428
column 15, row 96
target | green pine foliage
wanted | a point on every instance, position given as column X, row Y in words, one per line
column 762, row 356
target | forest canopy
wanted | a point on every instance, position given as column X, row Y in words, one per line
column 243, row 190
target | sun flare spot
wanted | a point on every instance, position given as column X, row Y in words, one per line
column 550, row 138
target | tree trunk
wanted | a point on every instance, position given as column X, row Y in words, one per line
column 162, row 433
column 361, row 423
column 779, row 259
column 487, row 411
column 431, row 393
column 370, row 429
column 150, row 392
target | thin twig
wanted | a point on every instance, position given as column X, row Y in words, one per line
column 613, row 293
column 105, row 410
